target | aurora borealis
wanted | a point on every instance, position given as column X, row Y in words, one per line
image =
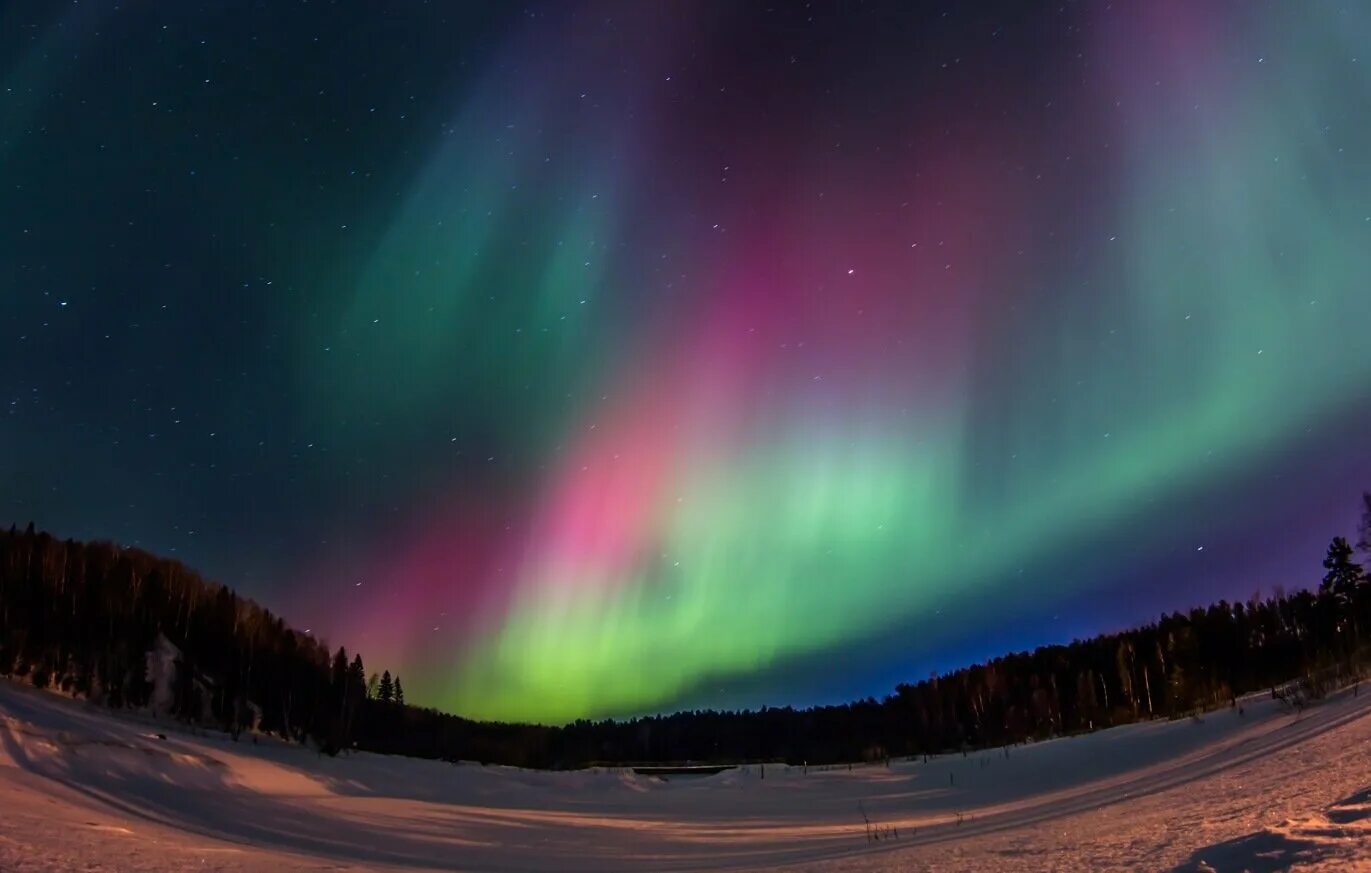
column 578, row 360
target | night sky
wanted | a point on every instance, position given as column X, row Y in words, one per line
column 597, row 359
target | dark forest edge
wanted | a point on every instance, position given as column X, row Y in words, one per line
column 89, row 618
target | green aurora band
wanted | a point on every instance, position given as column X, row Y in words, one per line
column 765, row 472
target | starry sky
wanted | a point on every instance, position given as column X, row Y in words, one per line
column 593, row 359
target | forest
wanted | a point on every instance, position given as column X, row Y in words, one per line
column 88, row 617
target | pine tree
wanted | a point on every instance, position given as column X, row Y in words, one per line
column 1344, row 581
column 399, row 691
column 357, row 680
column 386, row 691
column 339, row 673
column 1364, row 528
column 355, row 694
column 1344, row 574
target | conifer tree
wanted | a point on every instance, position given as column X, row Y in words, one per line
column 1344, row 574
column 1364, row 527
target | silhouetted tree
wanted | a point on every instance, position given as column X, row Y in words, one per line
column 1344, row 574
column 1364, row 526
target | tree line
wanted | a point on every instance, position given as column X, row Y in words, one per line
column 85, row 616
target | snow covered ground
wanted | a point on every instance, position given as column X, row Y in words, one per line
column 84, row 789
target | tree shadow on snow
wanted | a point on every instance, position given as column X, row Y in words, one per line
column 1319, row 838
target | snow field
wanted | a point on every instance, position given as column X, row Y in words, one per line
column 82, row 788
